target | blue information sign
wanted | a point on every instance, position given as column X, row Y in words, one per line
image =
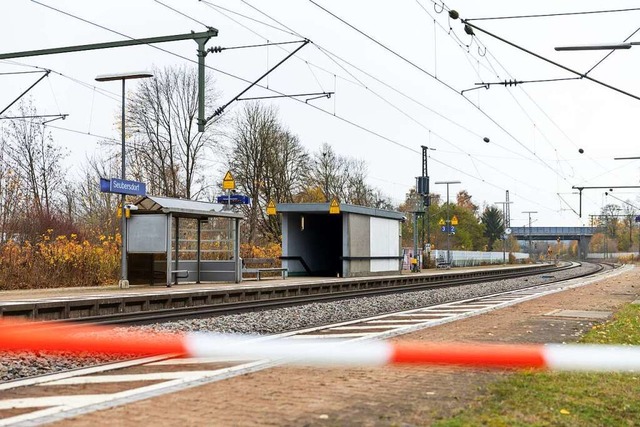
column 122, row 186
column 234, row 199
column 452, row 229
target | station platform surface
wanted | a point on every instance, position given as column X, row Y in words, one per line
column 24, row 295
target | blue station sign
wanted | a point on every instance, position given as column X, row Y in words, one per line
column 234, row 199
column 122, row 186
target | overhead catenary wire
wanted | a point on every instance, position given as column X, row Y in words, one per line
column 578, row 73
column 441, row 82
column 350, row 122
column 488, row 53
column 553, row 15
column 384, row 99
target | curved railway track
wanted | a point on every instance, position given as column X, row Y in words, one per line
column 254, row 299
column 54, row 397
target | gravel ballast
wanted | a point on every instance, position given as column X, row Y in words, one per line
column 21, row 365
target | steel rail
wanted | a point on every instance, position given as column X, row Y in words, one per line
column 296, row 300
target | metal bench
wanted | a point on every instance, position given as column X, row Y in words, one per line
column 441, row 263
column 262, row 265
column 177, row 274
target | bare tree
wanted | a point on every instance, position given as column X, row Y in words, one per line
column 329, row 172
column 11, row 194
column 167, row 149
column 268, row 163
column 342, row 178
column 37, row 162
column 96, row 210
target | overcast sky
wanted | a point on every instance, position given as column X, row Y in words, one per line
column 387, row 107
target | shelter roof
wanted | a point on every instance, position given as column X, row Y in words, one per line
column 323, row 208
column 184, row 207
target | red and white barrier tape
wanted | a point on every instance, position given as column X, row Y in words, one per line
column 20, row 335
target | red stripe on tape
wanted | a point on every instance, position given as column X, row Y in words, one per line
column 482, row 355
column 17, row 335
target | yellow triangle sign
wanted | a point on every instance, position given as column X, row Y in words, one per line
column 441, row 222
column 454, row 220
column 228, row 183
column 334, row 207
column 271, row 208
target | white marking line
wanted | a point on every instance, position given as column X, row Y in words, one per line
column 67, row 401
column 196, row 361
column 111, row 400
column 424, row 315
column 43, row 414
column 363, row 327
column 329, row 335
column 84, row 371
column 471, row 305
column 415, row 321
column 155, row 376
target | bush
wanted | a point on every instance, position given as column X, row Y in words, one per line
column 60, row 262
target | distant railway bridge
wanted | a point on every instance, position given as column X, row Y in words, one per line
column 581, row 234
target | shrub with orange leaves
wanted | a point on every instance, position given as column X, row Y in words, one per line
column 271, row 250
column 59, row 262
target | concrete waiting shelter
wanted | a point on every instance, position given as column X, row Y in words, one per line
column 356, row 241
column 178, row 240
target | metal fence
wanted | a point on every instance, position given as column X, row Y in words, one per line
column 473, row 258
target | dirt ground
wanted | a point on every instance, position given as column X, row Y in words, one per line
column 398, row 396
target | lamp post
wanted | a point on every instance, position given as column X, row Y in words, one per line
column 124, row 282
column 603, row 46
column 530, row 212
column 448, row 218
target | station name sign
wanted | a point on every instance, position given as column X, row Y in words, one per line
column 122, row 186
column 234, row 199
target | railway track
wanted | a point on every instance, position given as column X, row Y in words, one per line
column 266, row 299
column 54, row 397
column 163, row 304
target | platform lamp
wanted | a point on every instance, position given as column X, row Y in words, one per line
column 124, row 281
column 448, row 218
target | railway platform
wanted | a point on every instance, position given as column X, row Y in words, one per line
column 100, row 302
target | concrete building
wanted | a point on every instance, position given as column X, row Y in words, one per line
column 352, row 241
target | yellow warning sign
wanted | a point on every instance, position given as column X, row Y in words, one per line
column 454, row 220
column 271, row 208
column 334, row 207
column 441, row 222
column 228, row 182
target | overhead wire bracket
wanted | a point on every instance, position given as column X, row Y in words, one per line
column 201, row 38
column 221, row 109
column 293, row 95
column 46, row 73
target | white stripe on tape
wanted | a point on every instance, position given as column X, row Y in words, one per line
column 592, row 357
column 317, row 352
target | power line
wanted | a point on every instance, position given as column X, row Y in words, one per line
column 361, row 127
column 582, row 75
column 180, row 13
column 611, row 52
column 392, row 105
column 441, row 82
column 248, row 17
column 550, row 15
